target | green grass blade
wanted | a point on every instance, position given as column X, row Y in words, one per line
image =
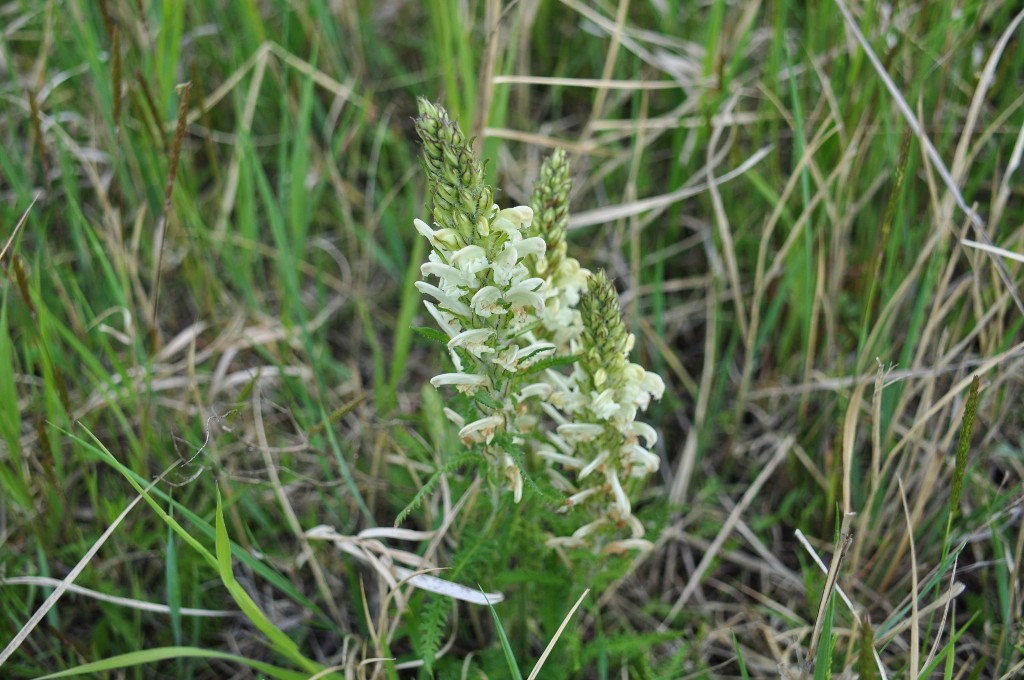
column 823, row 659
column 149, row 656
column 506, row 647
column 964, row 445
column 283, row 644
column 172, row 583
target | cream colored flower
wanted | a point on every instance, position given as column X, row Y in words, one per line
column 531, row 246
column 454, row 417
column 523, row 294
column 622, row 505
column 506, row 266
column 644, row 430
column 603, row 404
column 452, row 276
column 598, row 461
column 581, row 496
column 448, row 323
column 447, row 300
column 540, row 389
column 440, row 239
column 473, row 341
column 481, row 430
column 642, row 461
column 580, row 432
column 487, row 302
column 532, row 353
column 470, row 259
column 514, row 478
column 464, row 382
column 549, row 454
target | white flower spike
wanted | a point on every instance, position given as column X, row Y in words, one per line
column 507, row 295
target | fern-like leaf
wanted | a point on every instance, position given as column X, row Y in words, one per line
column 453, row 464
column 429, row 628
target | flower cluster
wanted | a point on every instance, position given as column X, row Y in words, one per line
column 560, row 322
column 501, row 287
column 597, row 434
column 484, row 296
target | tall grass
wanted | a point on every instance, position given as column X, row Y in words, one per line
column 788, row 254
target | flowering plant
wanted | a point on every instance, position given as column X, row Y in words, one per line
column 517, row 311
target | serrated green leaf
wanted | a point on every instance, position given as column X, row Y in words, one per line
column 431, row 334
column 487, row 400
column 551, row 362
column 429, row 627
column 428, row 487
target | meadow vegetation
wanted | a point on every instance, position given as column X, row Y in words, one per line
column 220, row 451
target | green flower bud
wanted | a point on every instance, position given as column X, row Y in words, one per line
column 455, row 183
column 550, row 203
column 604, row 335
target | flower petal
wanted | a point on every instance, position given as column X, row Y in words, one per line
column 603, row 404
column 621, row 500
column 643, row 460
column 654, row 384
column 473, row 341
column 454, row 417
column 580, row 432
column 578, row 498
column 451, row 302
column 514, row 478
column 535, row 245
column 524, row 213
column 521, row 295
column 532, row 353
column 451, row 326
column 644, row 430
column 541, row 390
column 588, row 529
column 481, row 430
column 593, row 465
column 423, row 228
column 487, row 301
column 504, row 265
column 470, row 259
column 549, row 454
column 440, row 239
column 447, row 273
column 464, row 382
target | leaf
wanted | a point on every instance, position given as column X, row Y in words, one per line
column 823, row 659
column 429, row 626
column 487, row 400
column 453, row 464
column 866, row 658
column 431, row 334
column 150, row 496
column 964, row 445
column 166, row 653
column 551, row 362
column 283, row 644
column 739, row 658
column 510, row 657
